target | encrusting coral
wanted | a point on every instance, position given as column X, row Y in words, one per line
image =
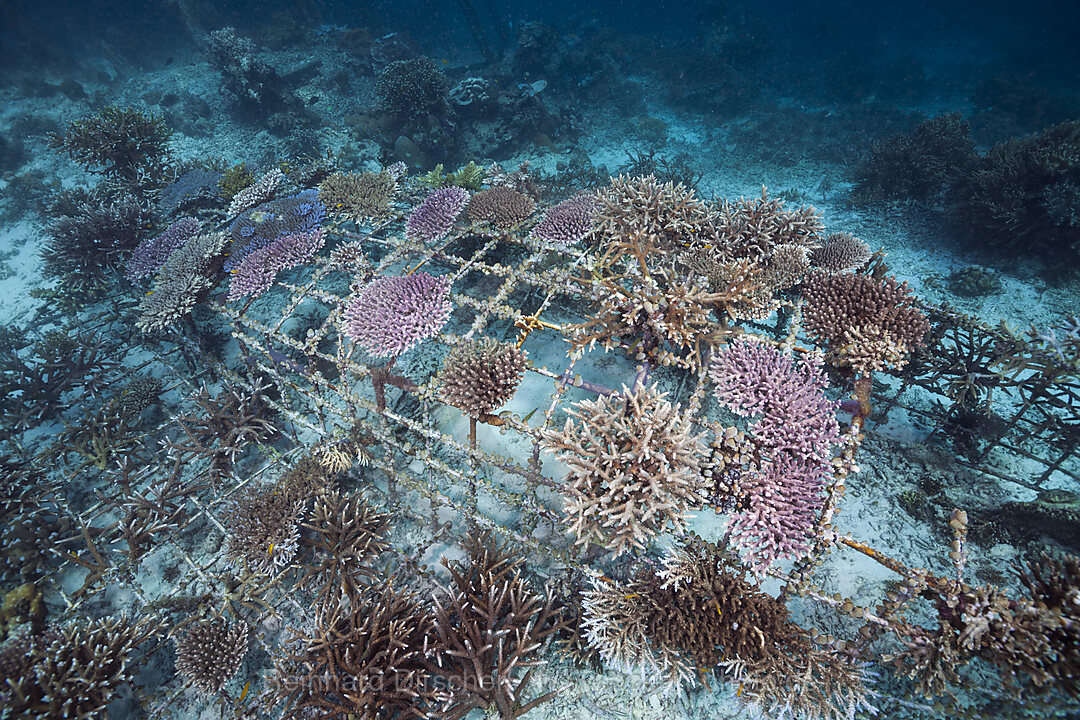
column 633, row 462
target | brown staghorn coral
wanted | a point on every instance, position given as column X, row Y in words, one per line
column 668, row 213
column 74, row 670
column 358, row 197
column 209, row 653
column 634, row 467
column 866, row 323
column 480, row 376
column 364, row 660
column 664, row 319
column 698, row 615
column 264, row 528
column 754, row 228
column 345, row 534
column 487, row 627
column 501, row 206
column 221, row 427
column 264, row 521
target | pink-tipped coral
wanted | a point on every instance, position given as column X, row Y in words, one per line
column 150, row 255
column 433, row 218
column 794, row 438
column 392, row 314
column 568, row 222
column 782, row 502
column 255, row 273
column 753, row 378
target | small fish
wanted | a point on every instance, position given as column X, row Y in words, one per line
column 627, row 597
column 271, row 550
column 150, row 292
column 738, row 693
column 531, row 413
column 718, row 612
column 247, row 686
column 445, row 61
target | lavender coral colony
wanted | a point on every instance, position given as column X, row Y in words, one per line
column 240, row 466
column 392, row 314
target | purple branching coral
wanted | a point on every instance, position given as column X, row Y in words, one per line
column 150, row 255
column 255, row 274
column 392, row 314
column 794, row 437
column 568, row 222
column 433, row 218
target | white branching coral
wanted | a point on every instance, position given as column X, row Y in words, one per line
column 634, row 467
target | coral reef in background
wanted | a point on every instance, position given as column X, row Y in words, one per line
column 408, row 88
column 392, row 314
column 124, row 144
column 1023, row 198
column 920, row 165
column 255, row 85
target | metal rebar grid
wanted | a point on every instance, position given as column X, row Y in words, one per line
column 436, row 484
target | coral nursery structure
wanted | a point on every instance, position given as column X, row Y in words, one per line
column 344, row 441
